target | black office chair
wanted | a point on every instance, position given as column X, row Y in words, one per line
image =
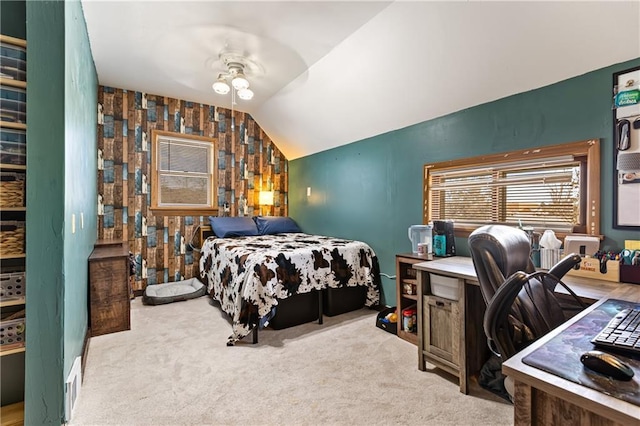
column 521, row 303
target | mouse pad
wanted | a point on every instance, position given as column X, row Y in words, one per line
column 561, row 355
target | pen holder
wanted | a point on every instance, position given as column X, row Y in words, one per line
column 590, row 268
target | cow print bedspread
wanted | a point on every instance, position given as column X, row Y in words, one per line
column 247, row 275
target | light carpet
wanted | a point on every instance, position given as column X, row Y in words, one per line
column 173, row 368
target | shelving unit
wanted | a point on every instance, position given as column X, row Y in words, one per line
column 13, row 129
column 12, row 414
column 406, row 290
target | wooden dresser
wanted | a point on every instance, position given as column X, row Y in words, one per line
column 109, row 302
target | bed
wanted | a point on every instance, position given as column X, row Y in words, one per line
column 251, row 275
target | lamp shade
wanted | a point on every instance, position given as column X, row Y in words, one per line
column 266, row 198
column 221, row 87
column 245, row 94
column 240, row 82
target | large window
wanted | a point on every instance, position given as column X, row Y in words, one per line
column 182, row 173
column 555, row 187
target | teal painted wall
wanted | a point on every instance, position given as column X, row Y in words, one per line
column 81, row 83
column 61, row 176
column 371, row 190
column 13, row 18
column 44, row 396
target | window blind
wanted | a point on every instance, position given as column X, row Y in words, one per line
column 542, row 194
column 184, row 173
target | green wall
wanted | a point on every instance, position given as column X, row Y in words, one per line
column 81, row 163
column 371, row 190
column 44, row 379
column 61, row 164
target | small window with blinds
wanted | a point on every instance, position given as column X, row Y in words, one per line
column 182, row 176
column 544, row 188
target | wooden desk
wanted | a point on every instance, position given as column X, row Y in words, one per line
column 544, row 398
column 469, row 342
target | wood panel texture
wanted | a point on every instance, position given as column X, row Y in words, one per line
column 109, row 289
column 248, row 161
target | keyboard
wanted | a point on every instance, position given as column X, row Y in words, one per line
column 622, row 332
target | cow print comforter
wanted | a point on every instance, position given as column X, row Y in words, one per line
column 247, row 275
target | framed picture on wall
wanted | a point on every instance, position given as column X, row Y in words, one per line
column 626, row 130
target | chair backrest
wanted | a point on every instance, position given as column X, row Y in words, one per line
column 521, row 304
column 498, row 251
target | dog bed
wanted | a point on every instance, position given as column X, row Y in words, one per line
column 160, row 294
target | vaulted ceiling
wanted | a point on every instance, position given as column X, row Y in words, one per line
column 328, row 73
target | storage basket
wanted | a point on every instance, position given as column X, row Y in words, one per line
column 11, row 238
column 12, row 333
column 13, row 61
column 11, row 189
column 12, row 286
column 13, row 146
column 13, row 104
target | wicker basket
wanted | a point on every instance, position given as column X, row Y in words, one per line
column 12, row 333
column 11, row 238
column 13, row 286
column 11, row 189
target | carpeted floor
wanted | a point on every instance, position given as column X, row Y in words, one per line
column 174, row 368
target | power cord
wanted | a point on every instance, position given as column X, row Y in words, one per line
column 392, row 277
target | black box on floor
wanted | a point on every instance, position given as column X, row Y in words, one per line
column 337, row 301
column 391, row 327
column 295, row 310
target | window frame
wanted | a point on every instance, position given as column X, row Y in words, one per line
column 212, row 209
column 589, row 180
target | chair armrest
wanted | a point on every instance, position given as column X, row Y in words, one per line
column 560, row 269
column 498, row 311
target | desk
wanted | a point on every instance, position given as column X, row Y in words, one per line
column 544, row 398
column 467, row 340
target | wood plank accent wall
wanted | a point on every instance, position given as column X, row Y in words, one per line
column 248, row 161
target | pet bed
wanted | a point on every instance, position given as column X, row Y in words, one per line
column 160, row 294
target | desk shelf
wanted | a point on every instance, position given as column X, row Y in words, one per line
column 406, row 279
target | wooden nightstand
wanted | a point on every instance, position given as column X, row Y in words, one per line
column 109, row 287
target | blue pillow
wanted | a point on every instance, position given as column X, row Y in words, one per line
column 268, row 225
column 233, row 226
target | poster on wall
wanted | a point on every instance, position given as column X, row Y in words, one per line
column 626, row 107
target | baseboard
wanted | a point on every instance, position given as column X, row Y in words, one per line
column 85, row 350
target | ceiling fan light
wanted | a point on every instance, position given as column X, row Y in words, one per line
column 245, row 94
column 221, row 87
column 240, row 82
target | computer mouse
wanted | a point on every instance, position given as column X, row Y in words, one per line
column 607, row 364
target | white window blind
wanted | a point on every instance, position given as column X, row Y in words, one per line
column 542, row 194
column 184, row 172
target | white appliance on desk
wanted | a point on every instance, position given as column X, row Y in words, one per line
column 421, row 234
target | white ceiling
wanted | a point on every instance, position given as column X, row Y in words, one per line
column 329, row 73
